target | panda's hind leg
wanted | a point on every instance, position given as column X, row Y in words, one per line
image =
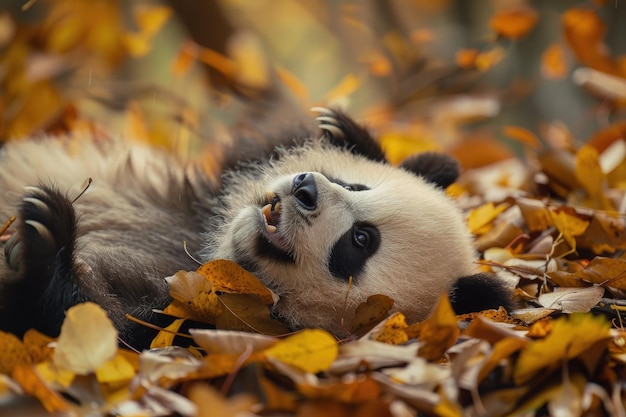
column 37, row 284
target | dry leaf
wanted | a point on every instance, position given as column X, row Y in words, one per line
column 370, row 313
column 87, row 340
column 311, row 350
column 33, row 385
column 14, row 353
column 440, row 331
column 571, row 300
column 229, row 277
column 480, row 219
column 569, row 337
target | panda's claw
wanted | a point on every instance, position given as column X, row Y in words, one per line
column 323, row 110
column 37, row 202
column 335, row 131
column 43, row 231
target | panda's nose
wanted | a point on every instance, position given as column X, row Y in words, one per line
column 305, row 191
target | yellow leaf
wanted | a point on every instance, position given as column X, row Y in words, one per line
column 193, row 292
column 393, row 331
column 311, row 350
column 439, row 331
column 52, row 374
column 569, row 226
column 87, row 340
column 479, row 219
column 116, row 370
column 151, row 19
column 252, row 66
column 570, row 336
column 590, row 176
column 165, row 338
column 13, row 353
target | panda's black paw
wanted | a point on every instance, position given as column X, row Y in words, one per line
column 342, row 131
column 43, row 244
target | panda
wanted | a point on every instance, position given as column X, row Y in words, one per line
column 322, row 219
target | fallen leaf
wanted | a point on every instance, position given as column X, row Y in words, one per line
column 87, row 340
column 33, row 385
column 571, row 300
column 570, row 336
column 312, row 350
column 14, row 353
column 370, row 313
column 440, row 331
column 229, row 277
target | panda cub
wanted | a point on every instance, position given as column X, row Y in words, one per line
column 314, row 219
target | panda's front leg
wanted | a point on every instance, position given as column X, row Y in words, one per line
column 37, row 283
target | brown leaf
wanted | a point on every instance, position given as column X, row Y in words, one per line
column 368, row 314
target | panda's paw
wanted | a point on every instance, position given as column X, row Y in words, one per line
column 342, row 131
column 43, row 242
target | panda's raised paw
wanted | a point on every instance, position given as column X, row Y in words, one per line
column 342, row 131
column 45, row 234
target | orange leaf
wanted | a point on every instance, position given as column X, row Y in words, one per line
column 229, row 277
column 14, row 353
column 393, row 331
column 584, row 32
column 553, row 64
column 513, row 24
column 33, row 385
column 522, row 135
column 466, row 58
column 439, row 332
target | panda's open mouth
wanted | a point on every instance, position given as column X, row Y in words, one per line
column 272, row 242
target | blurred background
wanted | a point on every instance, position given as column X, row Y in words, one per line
column 463, row 76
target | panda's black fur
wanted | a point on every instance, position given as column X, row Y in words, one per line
column 306, row 216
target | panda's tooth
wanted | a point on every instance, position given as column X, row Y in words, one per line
column 277, row 206
column 267, row 212
column 270, row 229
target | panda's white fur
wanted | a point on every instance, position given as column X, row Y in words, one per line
column 115, row 243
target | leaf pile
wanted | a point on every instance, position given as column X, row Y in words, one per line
column 545, row 197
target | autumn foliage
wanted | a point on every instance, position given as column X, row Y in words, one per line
column 533, row 108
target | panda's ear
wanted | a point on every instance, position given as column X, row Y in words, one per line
column 483, row 291
column 344, row 132
column 434, row 167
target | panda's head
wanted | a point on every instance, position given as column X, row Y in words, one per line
column 326, row 226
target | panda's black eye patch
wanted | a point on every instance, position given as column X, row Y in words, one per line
column 350, row 253
column 347, row 186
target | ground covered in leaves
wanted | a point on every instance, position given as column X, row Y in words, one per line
column 544, row 158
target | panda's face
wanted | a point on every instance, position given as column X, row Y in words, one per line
column 328, row 237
